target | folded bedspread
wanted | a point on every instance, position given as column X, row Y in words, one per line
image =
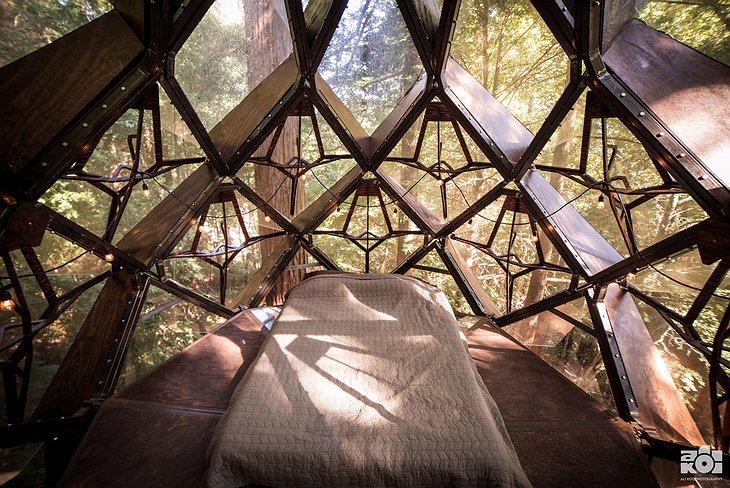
column 364, row 380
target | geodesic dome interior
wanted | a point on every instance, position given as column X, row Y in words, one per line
column 559, row 169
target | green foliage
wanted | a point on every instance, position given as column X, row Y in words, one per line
column 371, row 61
column 701, row 24
column 27, row 25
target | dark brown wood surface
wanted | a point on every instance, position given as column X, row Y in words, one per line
column 239, row 125
column 488, row 114
column 587, row 248
column 166, row 223
column 156, row 432
column 44, row 91
column 687, row 90
column 81, row 370
column 657, row 398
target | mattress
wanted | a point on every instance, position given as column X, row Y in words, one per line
column 364, row 380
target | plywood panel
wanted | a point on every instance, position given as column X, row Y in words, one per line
column 687, row 90
column 488, row 114
column 239, row 125
column 43, row 92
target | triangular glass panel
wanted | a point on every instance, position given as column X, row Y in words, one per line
column 701, row 25
column 235, row 46
column 51, row 344
column 510, row 50
column 676, row 283
column 166, row 326
column 688, row 367
column 567, row 347
column 371, row 61
column 28, row 26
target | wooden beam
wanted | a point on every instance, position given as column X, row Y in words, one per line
column 582, row 247
column 476, row 207
column 396, row 124
column 444, row 35
column 410, row 204
column 88, row 240
column 496, row 131
column 262, row 281
column 309, row 219
column 679, row 108
column 321, row 19
column 92, row 363
column 245, row 127
column 191, row 296
column 160, row 230
column 342, row 122
column 660, row 406
column 186, row 22
column 560, row 21
column 190, row 116
column 479, row 301
column 564, row 105
column 133, row 12
column 37, row 119
column 422, row 20
column 299, row 36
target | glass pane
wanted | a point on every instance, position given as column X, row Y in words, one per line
column 371, row 62
column 235, row 46
column 656, row 204
column 81, row 202
column 442, row 280
column 571, row 351
column 563, row 147
column 177, row 140
column 166, row 326
column 510, row 50
column 27, row 26
column 684, row 268
column 701, row 25
column 688, row 367
column 50, row 346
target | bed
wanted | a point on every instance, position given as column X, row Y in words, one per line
column 364, row 380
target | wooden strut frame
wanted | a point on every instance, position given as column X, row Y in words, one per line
column 595, row 272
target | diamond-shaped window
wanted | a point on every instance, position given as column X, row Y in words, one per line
column 236, row 45
column 372, row 61
column 508, row 48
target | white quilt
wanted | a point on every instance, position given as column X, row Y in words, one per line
column 364, row 380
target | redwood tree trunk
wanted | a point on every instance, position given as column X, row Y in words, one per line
column 269, row 45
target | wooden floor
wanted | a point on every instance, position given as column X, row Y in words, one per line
column 156, row 432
